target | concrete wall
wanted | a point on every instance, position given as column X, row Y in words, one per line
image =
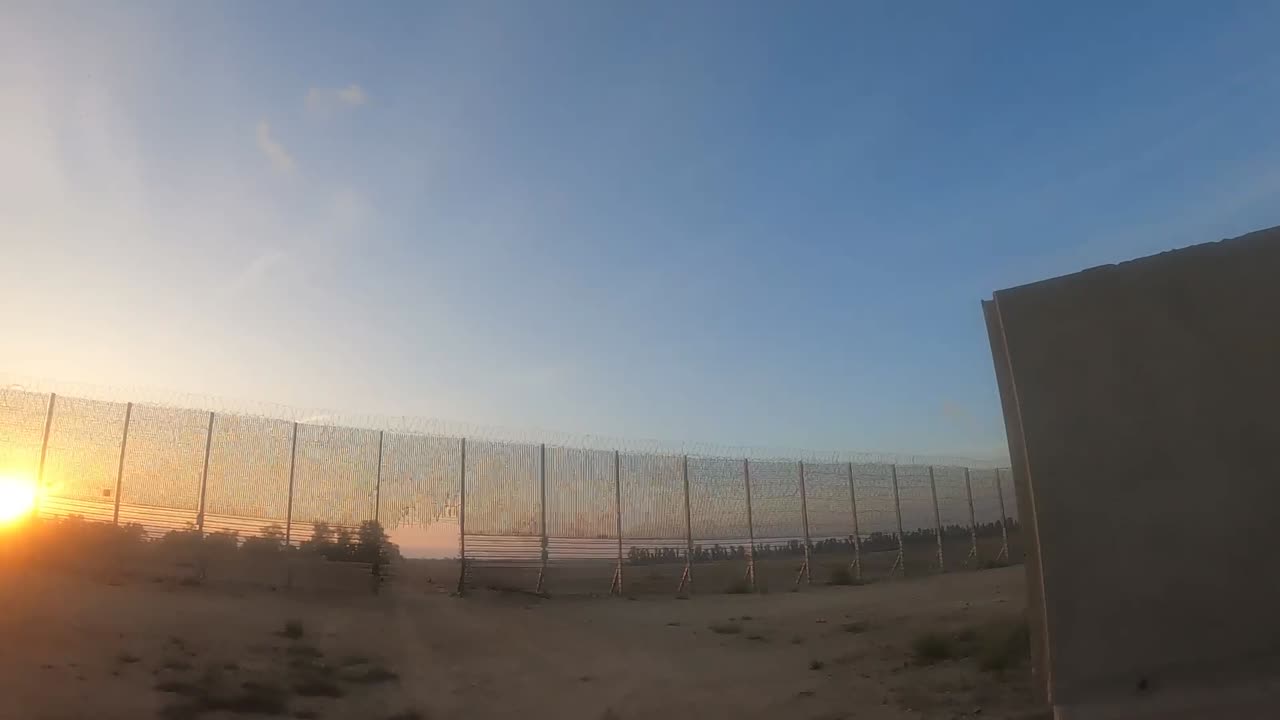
column 1142, row 403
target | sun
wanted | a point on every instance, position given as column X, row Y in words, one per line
column 17, row 498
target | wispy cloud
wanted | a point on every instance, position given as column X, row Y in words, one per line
column 322, row 100
column 253, row 272
column 280, row 158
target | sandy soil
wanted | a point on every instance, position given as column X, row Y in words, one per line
column 106, row 648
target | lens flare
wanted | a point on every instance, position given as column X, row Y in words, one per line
column 17, row 498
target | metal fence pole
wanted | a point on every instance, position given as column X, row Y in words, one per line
column 1004, row 529
column 44, row 450
column 542, row 489
column 124, row 443
column 805, row 570
column 616, row 586
column 288, row 513
column 973, row 523
column 377, row 518
column 204, row 477
column 856, row 540
column 937, row 519
column 686, row 577
column 462, row 519
column 899, row 563
column 751, row 528
column 201, row 551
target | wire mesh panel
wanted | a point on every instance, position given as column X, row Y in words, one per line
column 916, row 499
column 986, row 504
column 22, row 416
column 164, row 458
column 718, row 499
column 1004, row 480
column 581, row 497
column 775, row 499
column 953, row 502
column 420, row 480
column 873, row 485
column 249, row 468
column 335, row 475
column 504, row 494
column 826, row 487
column 84, row 450
column 652, row 497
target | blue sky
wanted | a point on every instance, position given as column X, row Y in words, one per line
column 734, row 223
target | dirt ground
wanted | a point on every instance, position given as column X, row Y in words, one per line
column 107, row 648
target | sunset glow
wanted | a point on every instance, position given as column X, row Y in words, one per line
column 17, row 498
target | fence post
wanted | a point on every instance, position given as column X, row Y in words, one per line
column 288, row 512
column 201, row 551
column 377, row 518
column 124, row 442
column 973, row 523
column 542, row 489
column 751, row 528
column 899, row 563
column 462, row 519
column 204, row 477
column 616, row 586
column 686, row 577
column 805, row 571
column 856, row 565
column 44, row 449
column 1004, row 530
column 937, row 519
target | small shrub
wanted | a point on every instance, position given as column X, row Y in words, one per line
column 262, row 698
column 317, row 687
column 738, row 587
column 797, row 640
column 931, row 647
column 839, row 575
column 816, row 664
column 179, row 687
column 755, row 636
column 293, row 630
column 1004, row 646
column 311, row 666
column 370, row 675
column 127, row 658
column 726, row 628
column 177, row 665
column 856, row 628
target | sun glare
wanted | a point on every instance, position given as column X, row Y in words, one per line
column 17, row 498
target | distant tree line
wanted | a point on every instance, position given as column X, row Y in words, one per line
column 366, row 544
column 874, row 542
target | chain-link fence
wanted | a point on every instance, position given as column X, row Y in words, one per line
column 270, row 501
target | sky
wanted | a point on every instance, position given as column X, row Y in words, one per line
column 748, row 224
